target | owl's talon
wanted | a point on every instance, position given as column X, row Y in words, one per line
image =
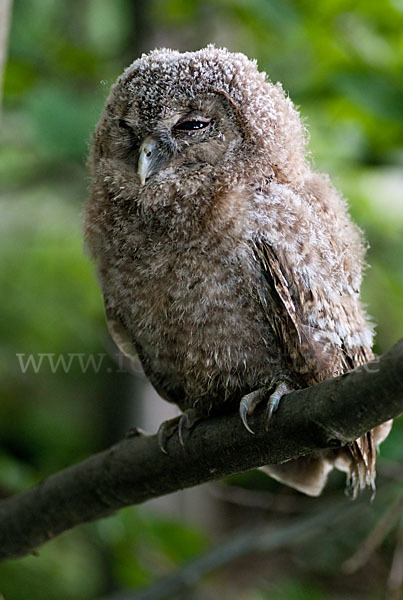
column 180, row 432
column 243, row 412
column 161, row 441
column 165, row 431
column 281, row 390
column 248, row 404
column 271, row 407
column 187, row 420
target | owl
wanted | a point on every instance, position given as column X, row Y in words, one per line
column 228, row 266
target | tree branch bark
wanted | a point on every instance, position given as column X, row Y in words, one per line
column 328, row 415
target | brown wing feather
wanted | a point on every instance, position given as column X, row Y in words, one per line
column 309, row 349
column 314, row 360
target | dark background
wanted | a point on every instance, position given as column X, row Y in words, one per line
column 342, row 64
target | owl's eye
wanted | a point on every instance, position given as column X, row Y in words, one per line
column 192, row 125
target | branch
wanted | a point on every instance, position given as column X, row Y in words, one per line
column 328, row 415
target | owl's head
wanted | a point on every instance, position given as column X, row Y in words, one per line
column 196, row 120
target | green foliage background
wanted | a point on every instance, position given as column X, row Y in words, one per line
column 342, row 63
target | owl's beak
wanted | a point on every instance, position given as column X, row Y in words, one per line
column 147, row 158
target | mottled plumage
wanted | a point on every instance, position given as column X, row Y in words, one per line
column 226, row 264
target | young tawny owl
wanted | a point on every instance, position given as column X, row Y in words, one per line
column 227, row 265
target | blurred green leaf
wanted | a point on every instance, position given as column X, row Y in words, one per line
column 373, row 92
column 65, row 569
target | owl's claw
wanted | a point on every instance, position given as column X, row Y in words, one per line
column 187, row 420
column 248, row 405
column 250, row 401
column 165, row 431
column 243, row 411
column 184, row 421
column 281, row 390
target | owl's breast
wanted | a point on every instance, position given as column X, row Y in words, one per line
column 197, row 321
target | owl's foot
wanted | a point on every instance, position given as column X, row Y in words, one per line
column 251, row 400
column 187, row 420
column 248, row 404
column 165, row 431
column 184, row 421
column 281, row 390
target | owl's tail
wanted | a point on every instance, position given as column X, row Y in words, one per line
column 361, row 470
column 360, row 465
column 308, row 474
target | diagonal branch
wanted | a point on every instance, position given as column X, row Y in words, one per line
column 327, row 415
